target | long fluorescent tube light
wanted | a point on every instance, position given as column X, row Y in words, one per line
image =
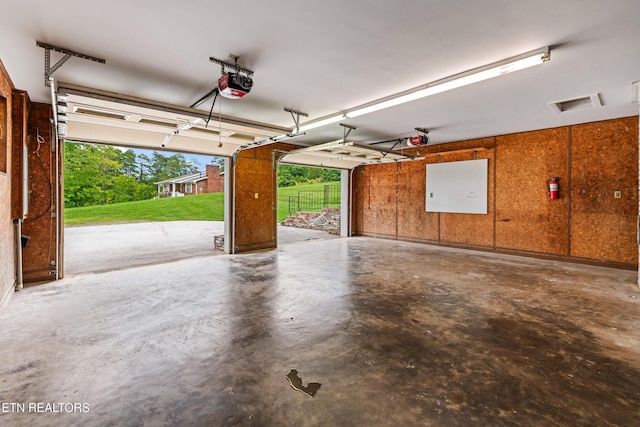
column 322, row 122
column 455, row 81
column 475, row 75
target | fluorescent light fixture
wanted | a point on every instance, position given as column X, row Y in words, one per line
column 322, row 122
column 475, row 75
column 455, row 81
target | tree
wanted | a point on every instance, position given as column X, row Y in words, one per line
column 100, row 174
column 289, row 175
column 88, row 172
column 129, row 164
column 218, row 161
column 330, row 175
column 163, row 167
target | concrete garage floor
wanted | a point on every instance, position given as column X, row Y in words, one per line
column 100, row 248
column 396, row 333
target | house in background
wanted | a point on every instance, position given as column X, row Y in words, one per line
column 211, row 181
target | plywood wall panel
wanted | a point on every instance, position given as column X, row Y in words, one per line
column 443, row 149
column 470, row 229
column 20, row 105
column 255, row 221
column 586, row 224
column 378, row 215
column 39, row 257
column 526, row 219
column 357, row 187
column 601, row 163
column 414, row 222
column 7, row 239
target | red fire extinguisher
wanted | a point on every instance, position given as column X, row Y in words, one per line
column 554, row 189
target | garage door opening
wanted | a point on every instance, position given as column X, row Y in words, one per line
column 131, row 207
column 309, row 201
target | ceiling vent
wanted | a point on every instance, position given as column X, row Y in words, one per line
column 588, row 101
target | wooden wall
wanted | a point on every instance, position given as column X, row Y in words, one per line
column 587, row 223
column 255, row 197
column 255, row 173
column 38, row 258
column 7, row 234
column 604, row 160
column 526, row 219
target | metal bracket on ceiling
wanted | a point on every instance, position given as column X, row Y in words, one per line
column 295, row 115
column 234, row 67
column 49, row 70
column 347, row 131
column 395, row 140
column 392, row 148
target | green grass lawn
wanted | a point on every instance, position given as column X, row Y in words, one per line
column 204, row 207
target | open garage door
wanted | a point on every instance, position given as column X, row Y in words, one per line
column 343, row 155
column 100, row 117
column 108, row 118
column 93, row 116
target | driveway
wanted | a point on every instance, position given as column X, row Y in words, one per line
column 100, row 248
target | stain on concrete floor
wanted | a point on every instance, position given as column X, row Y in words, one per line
column 397, row 333
column 296, row 383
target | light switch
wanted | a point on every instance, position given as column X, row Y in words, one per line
column 617, row 194
column 256, row 195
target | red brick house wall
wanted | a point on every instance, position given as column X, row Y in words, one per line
column 215, row 181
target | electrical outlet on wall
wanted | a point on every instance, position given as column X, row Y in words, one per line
column 617, row 194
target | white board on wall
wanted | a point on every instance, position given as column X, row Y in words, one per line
column 458, row 187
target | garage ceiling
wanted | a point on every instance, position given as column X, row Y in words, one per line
column 325, row 57
column 102, row 117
